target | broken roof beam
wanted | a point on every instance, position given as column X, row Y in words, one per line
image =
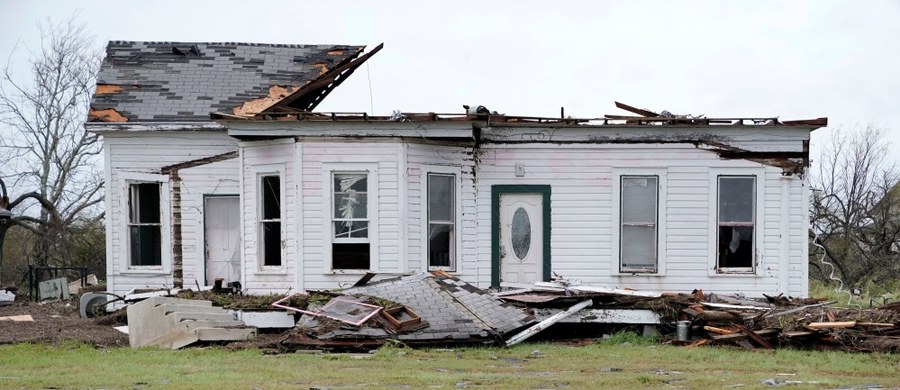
column 310, row 95
column 636, row 110
column 527, row 333
column 807, row 122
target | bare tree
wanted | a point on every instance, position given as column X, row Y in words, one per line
column 45, row 151
column 856, row 207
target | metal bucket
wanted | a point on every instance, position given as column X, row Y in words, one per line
column 683, row 330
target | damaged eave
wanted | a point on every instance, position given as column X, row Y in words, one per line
column 174, row 168
column 260, row 128
column 106, row 127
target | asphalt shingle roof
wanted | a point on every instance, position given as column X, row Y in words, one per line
column 176, row 81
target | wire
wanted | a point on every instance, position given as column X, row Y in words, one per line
column 831, row 275
column 371, row 98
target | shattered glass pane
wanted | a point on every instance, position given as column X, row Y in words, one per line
column 351, row 205
column 351, row 229
column 520, row 232
column 348, row 311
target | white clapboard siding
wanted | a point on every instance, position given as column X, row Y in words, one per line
column 316, row 157
column 261, row 158
column 130, row 154
column 424, row 158
column 581, row 214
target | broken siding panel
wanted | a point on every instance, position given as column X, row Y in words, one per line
column 148, row 153
column 317, row 272
column 585, row 203
column 261, row 157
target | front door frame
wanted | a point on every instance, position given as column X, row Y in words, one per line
column 496, row 191
column 205, row 249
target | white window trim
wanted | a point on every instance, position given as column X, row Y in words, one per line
column 258, row 171
column 616, row 260
column 455, row 263
column 165, row 208
column 758, row 227
column 328, row 169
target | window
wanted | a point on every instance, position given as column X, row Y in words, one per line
column 350, row 248
column 270, row 221
column 441, row 225
column 144, row 224
column 736, row 223
column 638, row 221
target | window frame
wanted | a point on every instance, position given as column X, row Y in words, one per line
column 126, row 180
column 758, row 217
column 372, row 211
column 427, row 221
column 261, row 220
column 616, row 268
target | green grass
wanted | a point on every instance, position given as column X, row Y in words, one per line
column 872, row 295
column 521, row 367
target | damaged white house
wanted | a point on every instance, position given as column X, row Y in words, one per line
column 217, row 167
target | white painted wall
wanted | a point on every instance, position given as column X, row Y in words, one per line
column 581, row 177
column 139, row 156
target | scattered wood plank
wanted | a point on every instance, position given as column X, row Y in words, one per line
column 876, row 324
column 755, row 337
column 720, row 316
column 717, row 330
column 734, row 337
column 527, row 333
column 831, row 325
column 19, row 318
column 799, row 333
column 738, row 307
column 598, row 289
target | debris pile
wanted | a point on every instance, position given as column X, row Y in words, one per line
column 423, row 309
column 716, row 319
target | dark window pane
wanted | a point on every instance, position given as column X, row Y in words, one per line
column 439, row 241
column 735, row 246
column 145, row 203
column 350, row 256
column 639, row 199
column 440, row 197
column 271, row 194
column 638, row 246
column 271, row 243
column 146, row 247
column 736, row 199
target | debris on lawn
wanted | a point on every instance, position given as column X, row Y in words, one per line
column 7, row 297
column 18, row 318
column 175, row 323
column 429, row 308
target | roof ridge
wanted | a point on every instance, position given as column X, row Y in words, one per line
column 286, row 45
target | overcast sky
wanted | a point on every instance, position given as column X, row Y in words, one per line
column 794, row 60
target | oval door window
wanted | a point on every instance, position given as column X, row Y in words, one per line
column 521, row 233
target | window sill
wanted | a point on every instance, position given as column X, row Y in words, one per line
column 350, row 272
column 734, row 274
column 271, row 271
column 146, row 271
column 638, row 274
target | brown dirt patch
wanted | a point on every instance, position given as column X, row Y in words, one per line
column 56, row 322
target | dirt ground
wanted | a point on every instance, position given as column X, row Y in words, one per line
column 56, row 322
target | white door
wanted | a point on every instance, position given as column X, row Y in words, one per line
column 223, row 240
column 521, row 238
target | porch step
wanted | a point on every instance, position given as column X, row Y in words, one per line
column 175, row 323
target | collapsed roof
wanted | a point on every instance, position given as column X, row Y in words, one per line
column 183, row 81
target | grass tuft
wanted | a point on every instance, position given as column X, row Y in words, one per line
column 630, row 338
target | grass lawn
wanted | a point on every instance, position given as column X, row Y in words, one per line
column 524, row 366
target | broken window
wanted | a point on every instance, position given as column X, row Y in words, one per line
column 144, row 224
column 441, row 225
column 638, row 218
column 270, row 221
column 736, row 222
column 350, row 247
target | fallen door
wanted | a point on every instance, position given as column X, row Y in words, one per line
column 222, row 237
